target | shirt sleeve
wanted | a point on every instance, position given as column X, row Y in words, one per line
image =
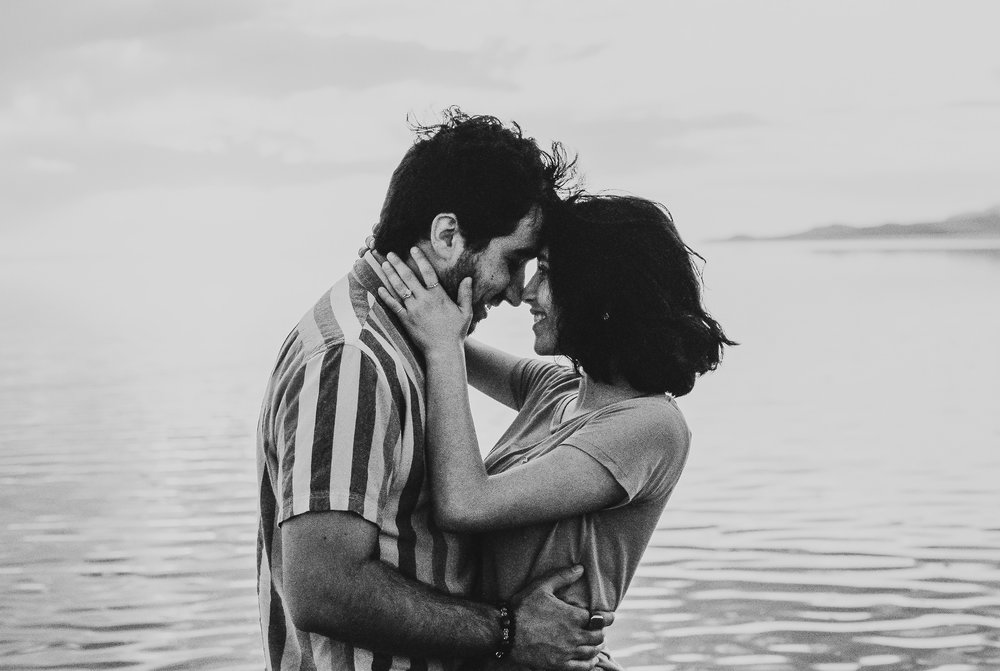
column 531, row 378
column 339, row 428
column 643, row 444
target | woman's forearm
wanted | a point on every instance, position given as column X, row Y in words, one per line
column 457, row 470
column 561, row 483
column 489, row 371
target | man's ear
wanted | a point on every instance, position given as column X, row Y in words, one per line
column 447, row 242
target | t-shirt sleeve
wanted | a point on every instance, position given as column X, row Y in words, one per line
column 338, row 428
column 644, row 446
column 531, row 378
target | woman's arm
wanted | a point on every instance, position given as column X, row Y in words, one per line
column 489, row 371
column 560, row 484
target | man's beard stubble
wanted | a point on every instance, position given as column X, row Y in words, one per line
column 466, row 266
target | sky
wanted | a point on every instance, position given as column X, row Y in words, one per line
column 142, row 122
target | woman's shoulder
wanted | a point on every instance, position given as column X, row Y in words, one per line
column 534, row 376
column 656, row 414
column 643, row 441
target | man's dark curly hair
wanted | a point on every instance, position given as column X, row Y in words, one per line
column 489, row 175
column 628, row 294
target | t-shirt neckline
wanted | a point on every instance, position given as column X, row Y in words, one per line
column 560, row 411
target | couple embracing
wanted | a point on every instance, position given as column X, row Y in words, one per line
column 385, row 541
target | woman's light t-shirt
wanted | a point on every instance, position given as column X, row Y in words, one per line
column 643, row 442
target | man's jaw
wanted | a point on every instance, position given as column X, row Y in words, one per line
column 481, row 310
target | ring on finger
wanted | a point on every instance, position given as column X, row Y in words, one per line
column 431, row 286
column 408, row 294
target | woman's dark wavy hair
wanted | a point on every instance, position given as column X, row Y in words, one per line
column 628, row 294
column 488, row 174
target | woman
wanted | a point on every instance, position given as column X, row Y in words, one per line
column 583, row 473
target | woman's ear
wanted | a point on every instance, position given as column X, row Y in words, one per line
column 446, row 241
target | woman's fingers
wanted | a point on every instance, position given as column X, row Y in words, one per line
column 404, row 272
column 426, row 269
column 369, row 245
column 389, row 301
column 397, row 282
column 465, row 296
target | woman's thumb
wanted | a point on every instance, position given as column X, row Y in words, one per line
column 465, row 295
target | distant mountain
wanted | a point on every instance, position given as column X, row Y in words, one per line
column 985, row 224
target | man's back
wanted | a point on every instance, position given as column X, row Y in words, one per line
column 342, row 429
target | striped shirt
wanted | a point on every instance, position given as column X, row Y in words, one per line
column 342, row 428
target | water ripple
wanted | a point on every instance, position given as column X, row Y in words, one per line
column 820, row 524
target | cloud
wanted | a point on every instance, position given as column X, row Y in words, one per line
column 58, row 172
column 272, row 61
column 112, row 94
column 33, row 28
column 223, row 52
column 50, row 166
column 646, row 141
column 662, row 98
column 983, row 104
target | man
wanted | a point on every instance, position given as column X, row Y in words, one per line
column 353, row 572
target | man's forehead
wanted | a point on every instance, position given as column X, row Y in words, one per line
column 523, row 242
column 526, row 238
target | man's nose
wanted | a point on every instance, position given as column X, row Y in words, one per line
column 530, row 292
column 515, row 289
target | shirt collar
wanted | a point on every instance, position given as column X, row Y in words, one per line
column 368, row 271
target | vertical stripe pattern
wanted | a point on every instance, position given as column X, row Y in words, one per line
column 342, row 428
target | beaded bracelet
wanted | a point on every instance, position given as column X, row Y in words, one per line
column 505, row 614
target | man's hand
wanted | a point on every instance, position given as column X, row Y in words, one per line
column 552, row 634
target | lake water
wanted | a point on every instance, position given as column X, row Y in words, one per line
column 840, row 509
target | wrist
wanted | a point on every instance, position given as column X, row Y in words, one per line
column 506, row 629
column 444, row 351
